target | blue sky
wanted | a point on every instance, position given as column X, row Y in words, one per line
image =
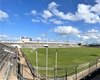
column 78, row 19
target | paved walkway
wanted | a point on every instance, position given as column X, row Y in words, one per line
column 26, row 73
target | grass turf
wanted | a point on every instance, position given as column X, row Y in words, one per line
column 66, row 56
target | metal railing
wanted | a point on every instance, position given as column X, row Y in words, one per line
column 74, row 72
column 32, row 69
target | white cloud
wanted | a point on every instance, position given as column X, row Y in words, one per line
column 46, row 14
column 53, row 8
column 94, row 37
column 35, row 20
column 64, row 30
column 3, row 36
column 52, row 5
column 3, row 15
column 92, row 31
column 6, row 37
column 98, row 1
column 85, row 37
column 96, row 9
column 44, row 34
column 38, row 38
column 88, row 13
column 85, row 14
column 34, row 12
column 91, row 35
column 56, row 21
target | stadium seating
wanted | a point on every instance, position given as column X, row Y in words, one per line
column 6, row 59
column 42, row 45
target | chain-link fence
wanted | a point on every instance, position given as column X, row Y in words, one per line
column 75, row 72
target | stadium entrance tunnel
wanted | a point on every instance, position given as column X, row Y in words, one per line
column 93, row 76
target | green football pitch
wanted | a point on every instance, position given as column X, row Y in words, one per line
column 65, row 56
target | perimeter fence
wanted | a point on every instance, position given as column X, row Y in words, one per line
column 75, row 72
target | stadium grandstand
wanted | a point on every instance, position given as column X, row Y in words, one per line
column 41, row 44
column 49, row 39
column 14, row 64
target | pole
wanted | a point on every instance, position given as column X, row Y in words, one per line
column 89, row 67
column 54, row 74
column 46, row 62
column 67, row 39
column 96, row 64
column 45, row 37
column 56, row 62
column 76, row 71
column 66, row 73
column 37, row 61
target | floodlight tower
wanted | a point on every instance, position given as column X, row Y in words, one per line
column 45, row 37
column 67, row 38
column 46, row 62
column 37, row 61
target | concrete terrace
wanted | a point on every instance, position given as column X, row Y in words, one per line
column 12, row 65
